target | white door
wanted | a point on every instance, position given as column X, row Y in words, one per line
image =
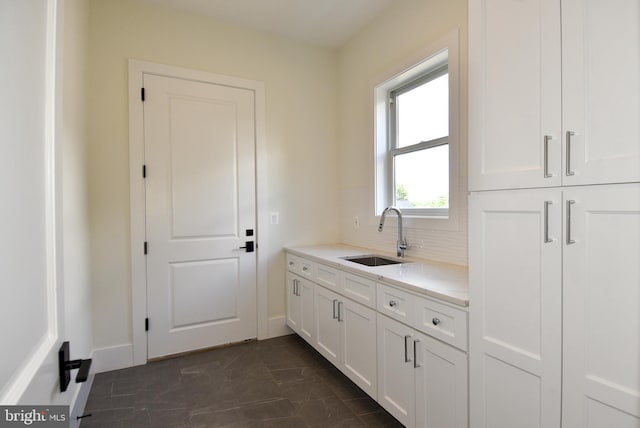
column 515, row 272
column 293, row 302
column 441, row 384
column 327, row 324
column 601, row 90
column 306, row 295
column 514, row 94
column 601, row 383
column 200, row 209
column 396, row 374
column 358, row 324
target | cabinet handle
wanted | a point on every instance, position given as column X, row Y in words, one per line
column 392, row 303
column 339, row 311
column 305, row 268
column 334, row 309
column 290, row 263
column 415, row 354
column 547, row 138
column 569, row 240
column 435, row 321
column 406, row 352
column 568, row 166
column 546, row 222
column 295, row 287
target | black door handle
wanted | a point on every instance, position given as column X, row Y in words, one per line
column 248, row 245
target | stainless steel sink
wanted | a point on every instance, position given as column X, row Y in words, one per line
column 372, row 260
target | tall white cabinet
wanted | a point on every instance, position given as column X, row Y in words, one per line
column 554, row 245
column 554, row 93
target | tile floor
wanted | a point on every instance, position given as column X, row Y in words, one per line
column 281, row 382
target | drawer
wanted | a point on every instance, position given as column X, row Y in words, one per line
column 300, row 266
column 441, row 321
column 328, row 276
column 360, row 289
column 396, row 303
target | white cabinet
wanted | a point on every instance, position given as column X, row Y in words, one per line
column 346, row 336
column 550, row 107
column 327, row 326
column 515, row 316
column 421, row 381
column 554, row 100
column 396, row 385
column 601, row 91
column 404, row 349
column 555, row 307
column 300, row 306
column 601, row 318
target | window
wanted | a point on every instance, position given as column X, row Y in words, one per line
column 419, row 143
column 416, row 136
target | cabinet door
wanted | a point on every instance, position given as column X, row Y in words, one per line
column 515, row 309
column 293, row 302
column 441, row 384
column 327, row 325
column 359, row 345
column 396, row 377
column 307, row 310
column 514, row 94
column 601, row 370
column 601, row 90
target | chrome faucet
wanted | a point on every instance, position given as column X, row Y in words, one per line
column 402, row 243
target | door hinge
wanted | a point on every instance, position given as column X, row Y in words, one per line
column 144, row 171
column 145, row 247
column 146, row 324
column 142, row 94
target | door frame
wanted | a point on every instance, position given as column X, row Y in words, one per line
column 137, row 69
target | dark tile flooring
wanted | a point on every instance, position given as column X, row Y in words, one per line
column 281, row 382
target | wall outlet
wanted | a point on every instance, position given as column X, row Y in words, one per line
column 356, row 222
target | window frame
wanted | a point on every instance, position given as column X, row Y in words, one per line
column 443, row 52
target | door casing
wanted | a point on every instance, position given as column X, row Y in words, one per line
column 137, row 193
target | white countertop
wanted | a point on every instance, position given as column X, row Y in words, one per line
column 440, row 280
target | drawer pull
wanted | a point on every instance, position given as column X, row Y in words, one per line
column 305, row 268
column 392, row 303
column 290, row 263
column 436, row 321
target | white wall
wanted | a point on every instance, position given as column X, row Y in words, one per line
column 300, row 83
column 395, row 37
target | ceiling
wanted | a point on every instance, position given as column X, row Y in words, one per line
column 327, row 23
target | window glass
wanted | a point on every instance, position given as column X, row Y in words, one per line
column 422, row 113
column 421, row 178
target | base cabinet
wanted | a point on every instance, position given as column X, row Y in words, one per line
column 346, row 336
column 405, row 350
column 422, row 382
column 300, row 306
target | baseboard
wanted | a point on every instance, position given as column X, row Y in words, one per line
column 278, row 327
column 112, row 358
column 80, row 402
